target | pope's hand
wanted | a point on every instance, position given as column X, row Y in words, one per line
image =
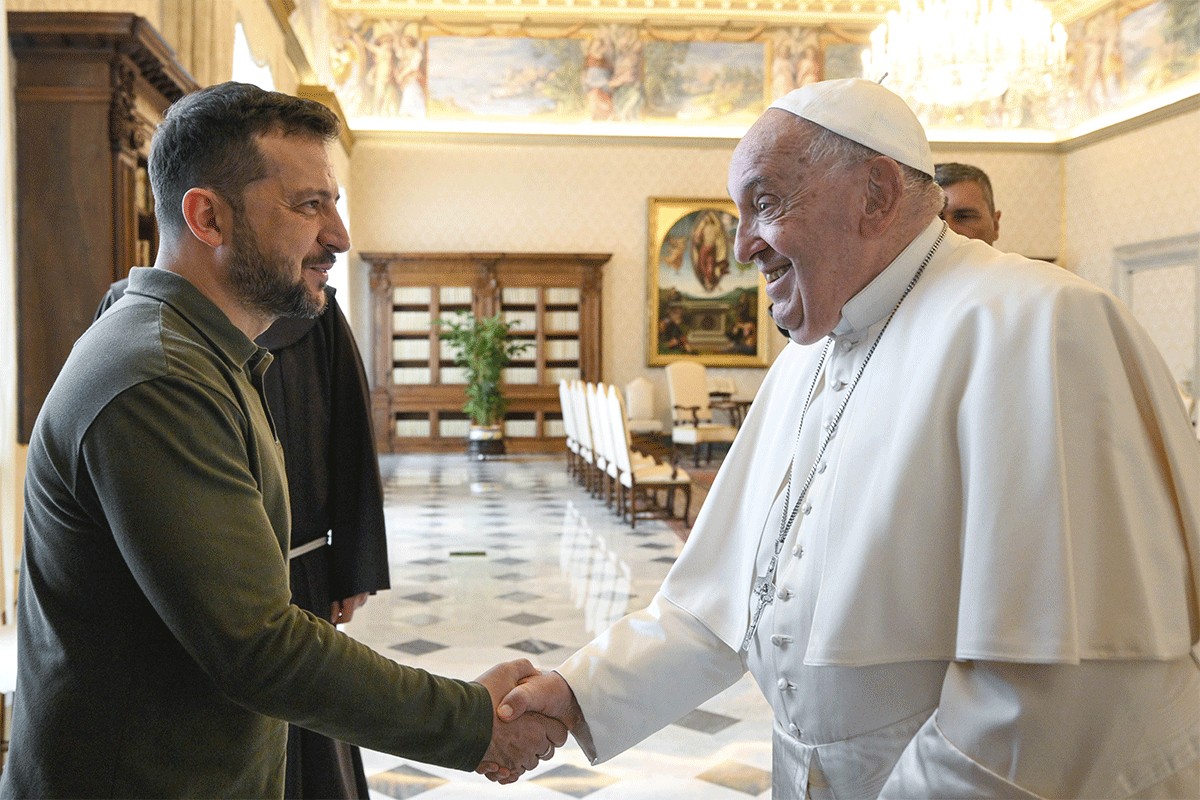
column 546, row 693
column 518, row 741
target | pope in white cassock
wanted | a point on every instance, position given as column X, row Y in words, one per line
column 957, row 539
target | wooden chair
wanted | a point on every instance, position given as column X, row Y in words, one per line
column 691, row 414
column 568, row 418
column 639, row 405
column 605, row 487
column 647, row 479
column 583, row 429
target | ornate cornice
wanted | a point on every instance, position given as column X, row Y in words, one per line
column 856, row 13
column 742, row 13
column 1068, row 11
column 797, row 12
column 322, row 95
column 124, row 133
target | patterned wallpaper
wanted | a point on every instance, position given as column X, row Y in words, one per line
column 1139, row 187
column 1164, row 300
column 1136, row 187
column 1028, row 189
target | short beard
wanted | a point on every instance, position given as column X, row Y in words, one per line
column 260, row 281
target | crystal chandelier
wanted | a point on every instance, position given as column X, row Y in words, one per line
column 960, row 52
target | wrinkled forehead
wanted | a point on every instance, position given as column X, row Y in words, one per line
column 775, row 147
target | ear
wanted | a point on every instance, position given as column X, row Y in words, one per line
column 207, row 216
column 885, row 188
column 996, row 224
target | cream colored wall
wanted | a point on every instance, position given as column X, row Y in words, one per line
column 591, row 195
column 540, row 195
column 1133, row 188
column 1139, row 186
column 1028, row 189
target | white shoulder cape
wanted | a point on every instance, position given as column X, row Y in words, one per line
column 1018, row 481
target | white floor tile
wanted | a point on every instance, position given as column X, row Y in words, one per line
column 587, row 569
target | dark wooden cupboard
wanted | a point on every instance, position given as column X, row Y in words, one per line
column 553, row 299
column 90, row 87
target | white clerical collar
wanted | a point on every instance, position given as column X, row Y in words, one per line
column 879, row 297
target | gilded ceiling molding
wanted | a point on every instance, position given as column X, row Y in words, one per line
column 655, row 30
column 1068, row 11
column 857, row 13
column 322, row 95
column 282, row 9
column 518, row 28
column 706, row 33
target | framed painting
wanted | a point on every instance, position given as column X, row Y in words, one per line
column 702, row 303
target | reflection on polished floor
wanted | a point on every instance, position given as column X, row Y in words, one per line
column 496, row 560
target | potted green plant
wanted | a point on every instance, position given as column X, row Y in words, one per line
column 482, row 348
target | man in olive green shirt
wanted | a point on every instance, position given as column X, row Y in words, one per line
column 160, row 654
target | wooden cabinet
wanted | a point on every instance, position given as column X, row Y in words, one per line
column 552, row 298
column 89, row 89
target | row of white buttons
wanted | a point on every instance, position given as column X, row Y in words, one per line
column 783, row 593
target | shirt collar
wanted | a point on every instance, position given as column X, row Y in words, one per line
column 877, row 299
column 203, row 314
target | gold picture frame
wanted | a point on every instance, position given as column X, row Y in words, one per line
column 702, row 303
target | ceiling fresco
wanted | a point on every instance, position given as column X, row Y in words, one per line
column 703, row 68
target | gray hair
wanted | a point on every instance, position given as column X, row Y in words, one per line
column 835, row 152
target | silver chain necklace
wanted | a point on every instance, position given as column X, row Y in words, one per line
column 764, row 585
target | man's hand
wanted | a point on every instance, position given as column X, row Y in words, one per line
column 545, row 693
column 342, row 611
column 518, row 742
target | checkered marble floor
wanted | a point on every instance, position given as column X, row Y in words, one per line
column 505, row 558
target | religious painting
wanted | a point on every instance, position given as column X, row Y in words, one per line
column 844, row 61
column 581, row 74
column 506, row 78
column 1124, row 52
column 704, row 83
column 378, row 68
column 1160, row 43
column 703, row 303
column 612, row 78
column 795, row 59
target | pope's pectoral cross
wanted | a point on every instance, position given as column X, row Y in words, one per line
column 764, row 589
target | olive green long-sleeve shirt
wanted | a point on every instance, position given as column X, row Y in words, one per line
column 160, row 653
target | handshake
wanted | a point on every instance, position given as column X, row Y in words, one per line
column 532, row 713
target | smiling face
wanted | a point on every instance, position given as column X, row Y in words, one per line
column 968, row 212
column 288, row 230
column 798, row 223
